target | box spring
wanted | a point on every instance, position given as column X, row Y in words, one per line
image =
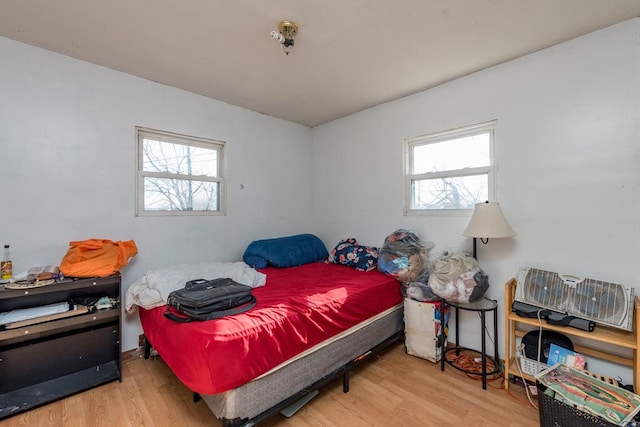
column 262, row 395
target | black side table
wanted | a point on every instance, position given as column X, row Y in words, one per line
column 483, row 306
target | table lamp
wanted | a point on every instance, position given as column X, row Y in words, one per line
column 487, row 222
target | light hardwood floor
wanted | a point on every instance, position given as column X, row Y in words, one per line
column 394, row 389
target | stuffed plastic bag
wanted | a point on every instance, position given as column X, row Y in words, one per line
column 419, row 289
column 403, row 255
column 97, row 258
column 457, row 277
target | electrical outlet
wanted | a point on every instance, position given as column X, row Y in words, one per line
column 141, row 340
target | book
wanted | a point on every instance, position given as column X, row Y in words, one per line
column 558, row 354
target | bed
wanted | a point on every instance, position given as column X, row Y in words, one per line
column 313, row 322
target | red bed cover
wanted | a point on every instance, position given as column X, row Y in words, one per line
column 298, row 308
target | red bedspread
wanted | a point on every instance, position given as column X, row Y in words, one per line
column 298, row 308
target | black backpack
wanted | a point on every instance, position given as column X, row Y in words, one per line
column 209, row 299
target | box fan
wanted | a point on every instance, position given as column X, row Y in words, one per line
column 605, row 303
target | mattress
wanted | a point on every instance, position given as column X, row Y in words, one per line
column 297, row 309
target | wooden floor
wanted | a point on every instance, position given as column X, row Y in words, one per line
column 394, row 389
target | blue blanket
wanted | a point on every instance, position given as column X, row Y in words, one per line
column 285, row 251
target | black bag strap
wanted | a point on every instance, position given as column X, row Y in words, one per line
column 214, row 282
column 214, row 315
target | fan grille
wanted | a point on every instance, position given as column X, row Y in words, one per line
column 545, row 288
column 595, row 298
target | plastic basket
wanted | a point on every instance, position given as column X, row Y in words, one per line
column 530, row 366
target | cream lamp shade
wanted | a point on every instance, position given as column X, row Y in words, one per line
column 488, row 222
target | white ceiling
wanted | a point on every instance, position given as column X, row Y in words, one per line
column 349, row 54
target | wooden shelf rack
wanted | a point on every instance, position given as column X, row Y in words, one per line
column 516, row 326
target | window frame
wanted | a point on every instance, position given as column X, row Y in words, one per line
column 174, row 138
column 443, row 136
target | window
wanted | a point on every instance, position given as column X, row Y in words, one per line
column 178, row 174
column 449, row 171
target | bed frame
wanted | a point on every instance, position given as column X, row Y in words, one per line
column 298, row 381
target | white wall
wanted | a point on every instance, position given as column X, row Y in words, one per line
column 567, row 146
column 67, row 147
column 567, row 153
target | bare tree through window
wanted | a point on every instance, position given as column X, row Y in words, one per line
column 179, row 176
column 449, row 170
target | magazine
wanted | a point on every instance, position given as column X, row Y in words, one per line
column 576, row 388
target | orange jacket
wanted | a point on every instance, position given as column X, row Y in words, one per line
column 96, row 257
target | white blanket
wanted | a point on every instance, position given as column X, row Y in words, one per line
column 152, row 289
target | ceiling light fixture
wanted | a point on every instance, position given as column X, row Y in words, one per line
column 285, row 34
